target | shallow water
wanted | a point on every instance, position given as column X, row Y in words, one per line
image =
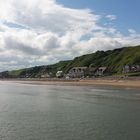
column 50, row 112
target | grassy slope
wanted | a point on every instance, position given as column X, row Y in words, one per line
column 113, row 59
column 39, row 70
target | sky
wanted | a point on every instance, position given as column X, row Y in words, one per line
column 41, row 32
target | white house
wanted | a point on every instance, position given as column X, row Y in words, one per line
column 59, row 74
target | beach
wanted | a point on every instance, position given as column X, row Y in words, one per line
column 102, row 82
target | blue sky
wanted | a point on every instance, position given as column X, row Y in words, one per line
column 127, row 11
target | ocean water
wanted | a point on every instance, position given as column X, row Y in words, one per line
column 50, row 112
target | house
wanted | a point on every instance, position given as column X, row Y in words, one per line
column 47, row 75
column 126, row 69
column 91, row 71
column 78, row 72
column 1, row 75
column 135, row 68
column 4, row 74
column 101, row 71
column 138, row 67
column 131, row 68
column 59, row 74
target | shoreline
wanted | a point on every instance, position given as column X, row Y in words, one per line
column 123, row 83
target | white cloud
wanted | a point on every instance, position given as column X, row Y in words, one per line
column 111, row 17
column 131, row 31
column 37, row 32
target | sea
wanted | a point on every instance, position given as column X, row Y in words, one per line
column 53, row 112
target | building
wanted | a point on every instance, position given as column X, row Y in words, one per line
column 91, row 71
column 59, row 74
column 131, row 68
column 4, row 74
column 101, row 71
column 126, row 69
column 47, row 75
column 78, row 72
column 135, row 68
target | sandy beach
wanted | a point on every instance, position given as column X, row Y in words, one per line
column 125, row 83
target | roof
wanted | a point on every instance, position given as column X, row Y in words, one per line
column 102, row 68
column 92, row 69
column 59, row 71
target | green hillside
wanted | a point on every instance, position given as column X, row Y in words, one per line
column 113, row 59
column 37, row 71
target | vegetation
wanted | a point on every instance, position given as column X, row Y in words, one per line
column 113, row 59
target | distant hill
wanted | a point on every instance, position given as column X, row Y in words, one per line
column 113, row 59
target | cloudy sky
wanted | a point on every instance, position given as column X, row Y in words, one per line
column 40, row 32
